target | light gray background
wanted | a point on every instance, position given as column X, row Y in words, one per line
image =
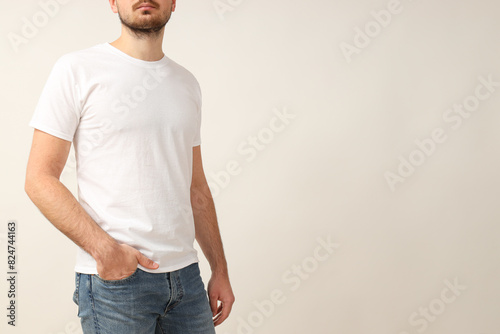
column 321, row 176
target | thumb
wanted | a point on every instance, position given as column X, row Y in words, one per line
column 146, row 262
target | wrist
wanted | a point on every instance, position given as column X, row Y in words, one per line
column 220, row 270
column 104, row 249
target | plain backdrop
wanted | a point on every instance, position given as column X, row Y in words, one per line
column 369, row 206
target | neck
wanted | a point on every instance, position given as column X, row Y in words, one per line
column 144, row 47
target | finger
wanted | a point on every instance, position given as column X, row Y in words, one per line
column 218, row 310
column 219, row 313
column 146, row 262
column 218, row 320
column 213, row 305
column 223, row 315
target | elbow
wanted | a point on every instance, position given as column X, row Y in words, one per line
column 33, row 184
column 38, row 183
column 29, row 185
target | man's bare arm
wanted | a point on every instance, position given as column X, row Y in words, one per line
column 209, row 239
column 46, row 161
column 206, row 226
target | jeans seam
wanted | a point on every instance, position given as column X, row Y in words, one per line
column 94, row 313
column 77, row 289
column 158, row 323
column 179, row 291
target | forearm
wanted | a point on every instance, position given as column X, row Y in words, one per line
column 62, row 209
column 207, row 229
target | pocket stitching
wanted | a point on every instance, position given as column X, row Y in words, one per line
column 116, row 281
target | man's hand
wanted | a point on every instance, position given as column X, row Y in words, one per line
column 219, row 288
column 120, row 261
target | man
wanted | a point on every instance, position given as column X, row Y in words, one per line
column 134, row 118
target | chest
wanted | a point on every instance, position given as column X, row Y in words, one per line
column 131, row 105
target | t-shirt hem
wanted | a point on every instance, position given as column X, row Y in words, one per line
column 161, row 269
column 50, row 131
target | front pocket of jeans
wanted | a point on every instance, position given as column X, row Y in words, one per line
column 118, row 281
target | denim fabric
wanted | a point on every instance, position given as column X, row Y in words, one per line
column 144, row 303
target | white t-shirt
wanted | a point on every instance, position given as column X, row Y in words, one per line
column 133, row 124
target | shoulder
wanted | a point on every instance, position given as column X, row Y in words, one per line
column 184, row 72
column 77, row 65
column 80, row 57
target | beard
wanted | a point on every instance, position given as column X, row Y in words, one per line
column 145, row 23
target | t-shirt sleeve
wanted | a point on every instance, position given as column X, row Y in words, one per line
column 197, row 134
column 57, row 111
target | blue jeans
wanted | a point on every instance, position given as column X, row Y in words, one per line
column 144, row 303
